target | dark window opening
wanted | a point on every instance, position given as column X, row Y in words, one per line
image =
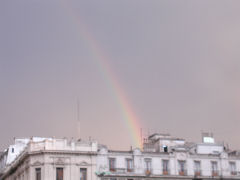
column 165, row 167
column 83, row 173
column 129, row 165
column 112, row 163
column 165, row 148
column 38, row 173
column 59, row 174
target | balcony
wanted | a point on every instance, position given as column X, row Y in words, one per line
column 165, row 172
column 182, row 173
column 129, row 170
column 112, row 169
column 215, row 173
column 148, row 172
column 121, row 170
column 197, row 173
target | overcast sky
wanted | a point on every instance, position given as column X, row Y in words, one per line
column 177, row 61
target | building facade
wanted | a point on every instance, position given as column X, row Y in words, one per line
column 162, row 157
column 51, row 158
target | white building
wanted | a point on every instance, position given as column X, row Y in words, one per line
column 50, row 159
column 162, row 157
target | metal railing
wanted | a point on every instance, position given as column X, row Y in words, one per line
column 197, row 173
column 182, row 172
column 215, row 173
column 148, row 172
column 165, row 172
column 121, row 170
column 130, row 169
column 233, row 173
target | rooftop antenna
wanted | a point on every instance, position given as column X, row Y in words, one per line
column 78, row 120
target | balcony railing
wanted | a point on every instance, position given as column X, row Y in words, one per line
column 197, row 173
column 112, row 169
column 148, row 172
column 165, row 172
column 233, row 173
column 215, row 173
column 129, row 169
column 121, row 170
column 182, row 173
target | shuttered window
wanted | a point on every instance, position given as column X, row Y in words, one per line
column 38, row 173
column 59, row 174
column 83, row 173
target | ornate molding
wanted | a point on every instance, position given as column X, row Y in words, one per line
column 83, row 163
column 59, row 161
column 37, row 163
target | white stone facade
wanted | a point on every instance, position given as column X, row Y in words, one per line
column 50, row 154
column 156, row 170
column 167, row 158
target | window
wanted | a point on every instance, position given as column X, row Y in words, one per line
column 233, row 169
column 182, row 168
column 197, row 168
column 148, row 165
column 12, row 150
column 83, row 173
column 165, row 149
column 165, row 167
column 112, row 162
column 214, row 168
column 129, row 163
column 38, row 173
column 59, row 174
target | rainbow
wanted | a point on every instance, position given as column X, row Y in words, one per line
column 130, row 118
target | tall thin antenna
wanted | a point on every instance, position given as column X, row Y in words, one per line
column 78, row 120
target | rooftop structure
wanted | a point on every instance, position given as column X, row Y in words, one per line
column 161, row 143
